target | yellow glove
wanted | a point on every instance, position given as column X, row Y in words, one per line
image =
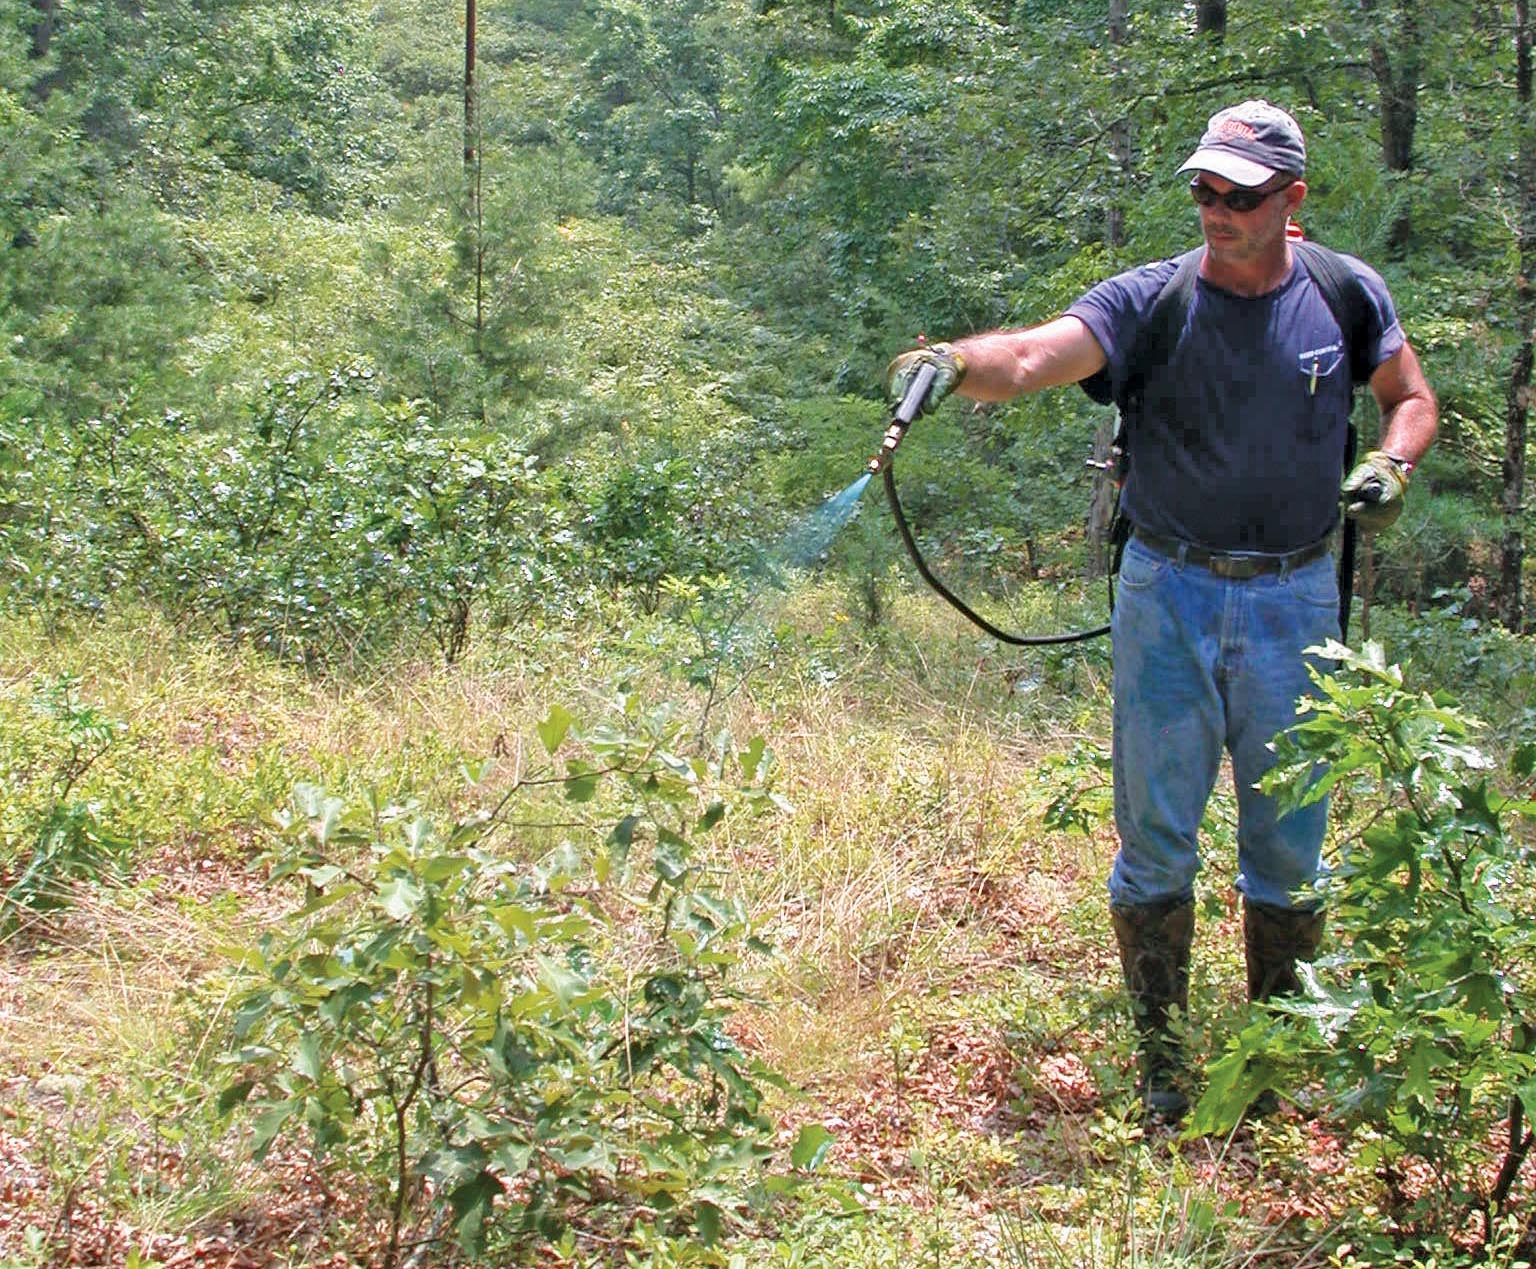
column 948, row 365
column 1373, row 492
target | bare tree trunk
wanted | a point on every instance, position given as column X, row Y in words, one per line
column 42, row 27
column 1101, row 506
column 1397, row 64
column 469, row 84
column 472, row 170
column 1518, row 398
column 1211, row 18
column 1120, row 133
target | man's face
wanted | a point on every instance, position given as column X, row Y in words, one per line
column 1240, row 236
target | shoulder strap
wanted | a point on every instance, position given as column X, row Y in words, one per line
column 1345, row 295
column 1158, row 336
column 1341, row 289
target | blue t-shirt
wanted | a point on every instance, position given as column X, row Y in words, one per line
column 1240, row 443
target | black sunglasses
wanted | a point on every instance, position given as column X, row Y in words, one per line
column 1238, row 200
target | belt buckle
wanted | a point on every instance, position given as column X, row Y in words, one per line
column 1236, row 568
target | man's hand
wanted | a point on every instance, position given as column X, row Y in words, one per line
column 949, row 369
column 1373, row 492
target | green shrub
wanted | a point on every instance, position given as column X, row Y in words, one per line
column 1414, row 1032
column 53, row 832
column 328, row 525
column 508, row 1046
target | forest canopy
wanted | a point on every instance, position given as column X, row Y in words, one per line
column 305, row 307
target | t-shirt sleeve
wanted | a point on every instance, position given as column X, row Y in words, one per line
column 1386, row 333
column 1114, row 312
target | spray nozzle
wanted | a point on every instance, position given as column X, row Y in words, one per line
column 909, row 408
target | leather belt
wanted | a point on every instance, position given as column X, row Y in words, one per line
column 1236, row 566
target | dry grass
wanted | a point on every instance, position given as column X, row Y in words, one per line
column 938, row 990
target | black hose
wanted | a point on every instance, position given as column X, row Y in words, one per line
column 1019, row 641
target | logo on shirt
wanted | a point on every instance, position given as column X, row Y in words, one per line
column 1326, row 358
column 1319, row 363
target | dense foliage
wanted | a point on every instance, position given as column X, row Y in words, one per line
column 679, row 219
column 516, row 1043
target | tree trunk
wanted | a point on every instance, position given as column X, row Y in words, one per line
column 1211, row 18
column 1120, row 133
column 1104, row 498
column 1518, row 396
column 1397, row 63
column 42, row 27
column 1101, row 504
column 469, row 84
column 472, row 172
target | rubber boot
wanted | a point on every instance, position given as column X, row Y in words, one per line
column 1154, row 940
column 1274, row 939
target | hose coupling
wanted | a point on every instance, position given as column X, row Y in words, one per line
column 887, row 450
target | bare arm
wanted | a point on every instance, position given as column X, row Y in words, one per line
column 1410, row 415
column 1003, row 364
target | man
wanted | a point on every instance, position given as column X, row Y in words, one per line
column 1236, row 450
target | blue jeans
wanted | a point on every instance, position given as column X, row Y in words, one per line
column 1203, row 664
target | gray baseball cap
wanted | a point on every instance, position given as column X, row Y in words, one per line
column 1249, row 143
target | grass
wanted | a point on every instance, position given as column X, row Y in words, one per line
column 941, row 993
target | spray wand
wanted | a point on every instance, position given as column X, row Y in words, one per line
column 909, row 408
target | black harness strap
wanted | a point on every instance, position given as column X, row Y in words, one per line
column 1351, row 309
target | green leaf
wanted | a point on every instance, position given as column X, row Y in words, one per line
column 235, row 1095
column 400, row 898
column 583, row 1153
column 308, row 799
column 268, row 1124
column 326, row 898
column 306, row 1058
column 564, row 984
column 1527, row 1094
column 554, row 728
column 472, row 1204
column 475, row 771
column 1418, row 1075
column 513, row 1157
column 323, row 875
column 710, row 1223
column 1524, row 761
column 670, row 858
column 580, row 782
column 441, row 867
column 751, row 758
column 515, row 920
column 622, row 838
column 811, row 1147
column 323, row 825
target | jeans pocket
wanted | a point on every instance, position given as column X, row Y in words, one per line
column 1316, row 584
column 1142, row 567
